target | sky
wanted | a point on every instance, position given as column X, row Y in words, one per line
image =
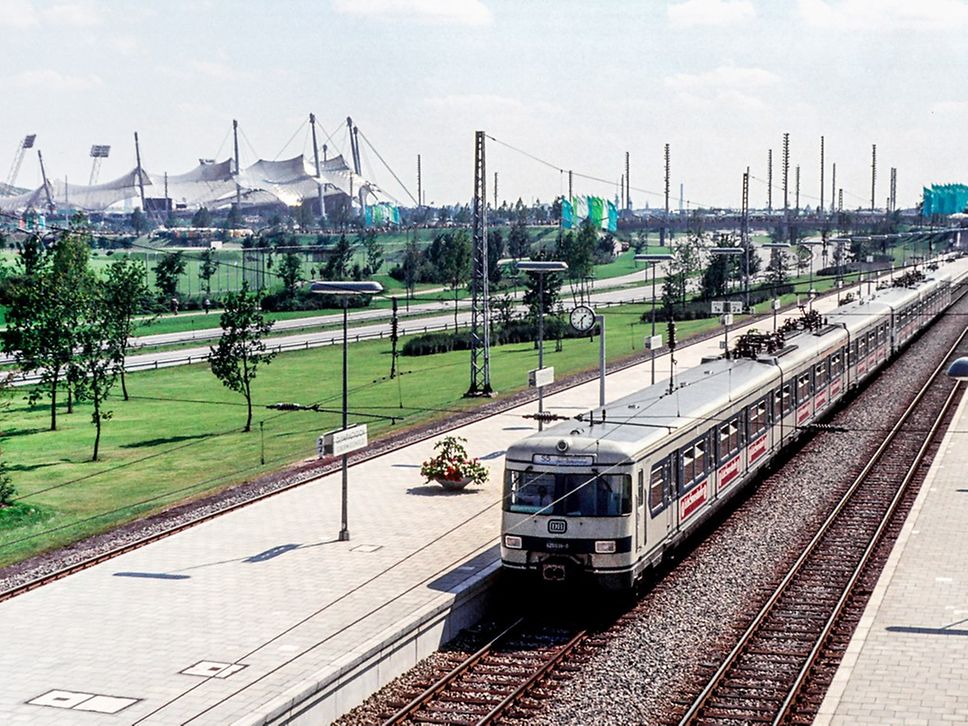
column 575, row 84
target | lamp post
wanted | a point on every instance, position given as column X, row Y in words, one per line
column 653, row 260
column 809, row 244
column 774, row 248
column 345, row 289
column 541, row 268
column 726, row 252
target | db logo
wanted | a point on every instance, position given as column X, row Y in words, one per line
column 557, row 526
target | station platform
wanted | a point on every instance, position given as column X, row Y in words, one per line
column 261, row 615
column 907, row 662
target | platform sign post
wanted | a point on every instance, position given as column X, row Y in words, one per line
column 342, row 441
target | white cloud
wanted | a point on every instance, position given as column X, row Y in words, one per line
column 724, row 77
column 949, row 107
column 443, row 12
column 710, row 12
column 490, row 104
column 218, row 70
column 875, row 15
column 52, row 80
column 25, row 14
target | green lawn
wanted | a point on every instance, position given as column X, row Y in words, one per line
column 180, row 434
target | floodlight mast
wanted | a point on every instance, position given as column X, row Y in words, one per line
column 18, row 159
column 99, row 152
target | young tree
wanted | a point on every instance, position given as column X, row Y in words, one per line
column 290, row 270
column 207, row 269
column 552, row 292
column 167, row 270
column 241, row 349
column 124, row 290
column 95, row 360
column 457, row 263
column 411, row 266
column 374, row 253
column 338, row 264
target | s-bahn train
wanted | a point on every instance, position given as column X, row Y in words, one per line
column 605, row 498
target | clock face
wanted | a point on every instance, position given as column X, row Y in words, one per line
column 582, row 318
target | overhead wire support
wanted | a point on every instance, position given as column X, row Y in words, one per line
column 480, row 384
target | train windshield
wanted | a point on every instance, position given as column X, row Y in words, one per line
column 586, row 494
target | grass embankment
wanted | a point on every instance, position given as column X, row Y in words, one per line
column 180, row 435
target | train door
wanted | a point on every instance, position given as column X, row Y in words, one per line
column 641, row 518
column 660, row 520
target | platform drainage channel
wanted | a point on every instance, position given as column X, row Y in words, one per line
column 212, row 669
column 83, row 701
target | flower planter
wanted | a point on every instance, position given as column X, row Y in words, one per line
column 453, row 484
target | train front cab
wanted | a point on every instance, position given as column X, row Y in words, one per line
column 565, row 524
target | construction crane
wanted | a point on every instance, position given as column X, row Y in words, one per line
column 99, row 152
column 27, row 143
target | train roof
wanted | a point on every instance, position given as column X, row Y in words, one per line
column 648, row 417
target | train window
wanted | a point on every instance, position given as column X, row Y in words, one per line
column 528, row 491
column 757, row 418
column 861, row 348
column 784, row 400
column 820, row 375
column 835, row 360
column 694, row 462
column 641, row 489
column 584, row 494
column 803, row 387
column 729, row 439
column 657, row 487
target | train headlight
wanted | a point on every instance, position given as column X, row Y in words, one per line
column 605, row 547
column 512, row 542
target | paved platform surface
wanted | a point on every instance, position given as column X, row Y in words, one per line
column 908, row 660
column 217, row 624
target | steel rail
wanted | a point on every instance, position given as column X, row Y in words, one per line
column 714, row 682
column 540, row 673
column 875, row 541
column 439, row 685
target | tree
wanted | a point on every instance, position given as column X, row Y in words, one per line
column 495, row 251
column 715, row 277
column 233, row 220
column 304, row 215
column 411, row 266
column 207, row 269
column 202, row 218
column 578, row 250
column 241, row 349
column 167, row 270
column 338, row 264
column 290, row 270
column 552, row 292
column 138, row 221
column 519, row 243
column 124, row 290
column 44, row 310
column 374, row 253
column 457, row 263
column 95, row 360
column 7, row 489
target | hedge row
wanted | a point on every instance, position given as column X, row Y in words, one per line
column 518, row 331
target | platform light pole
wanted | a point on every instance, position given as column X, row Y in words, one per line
column 653, row 260
column 541, row 268
column 345, row 289
column 726, row 252
column 775, row 248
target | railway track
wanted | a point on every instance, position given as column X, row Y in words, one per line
column 765, row 677
column 495, row 679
